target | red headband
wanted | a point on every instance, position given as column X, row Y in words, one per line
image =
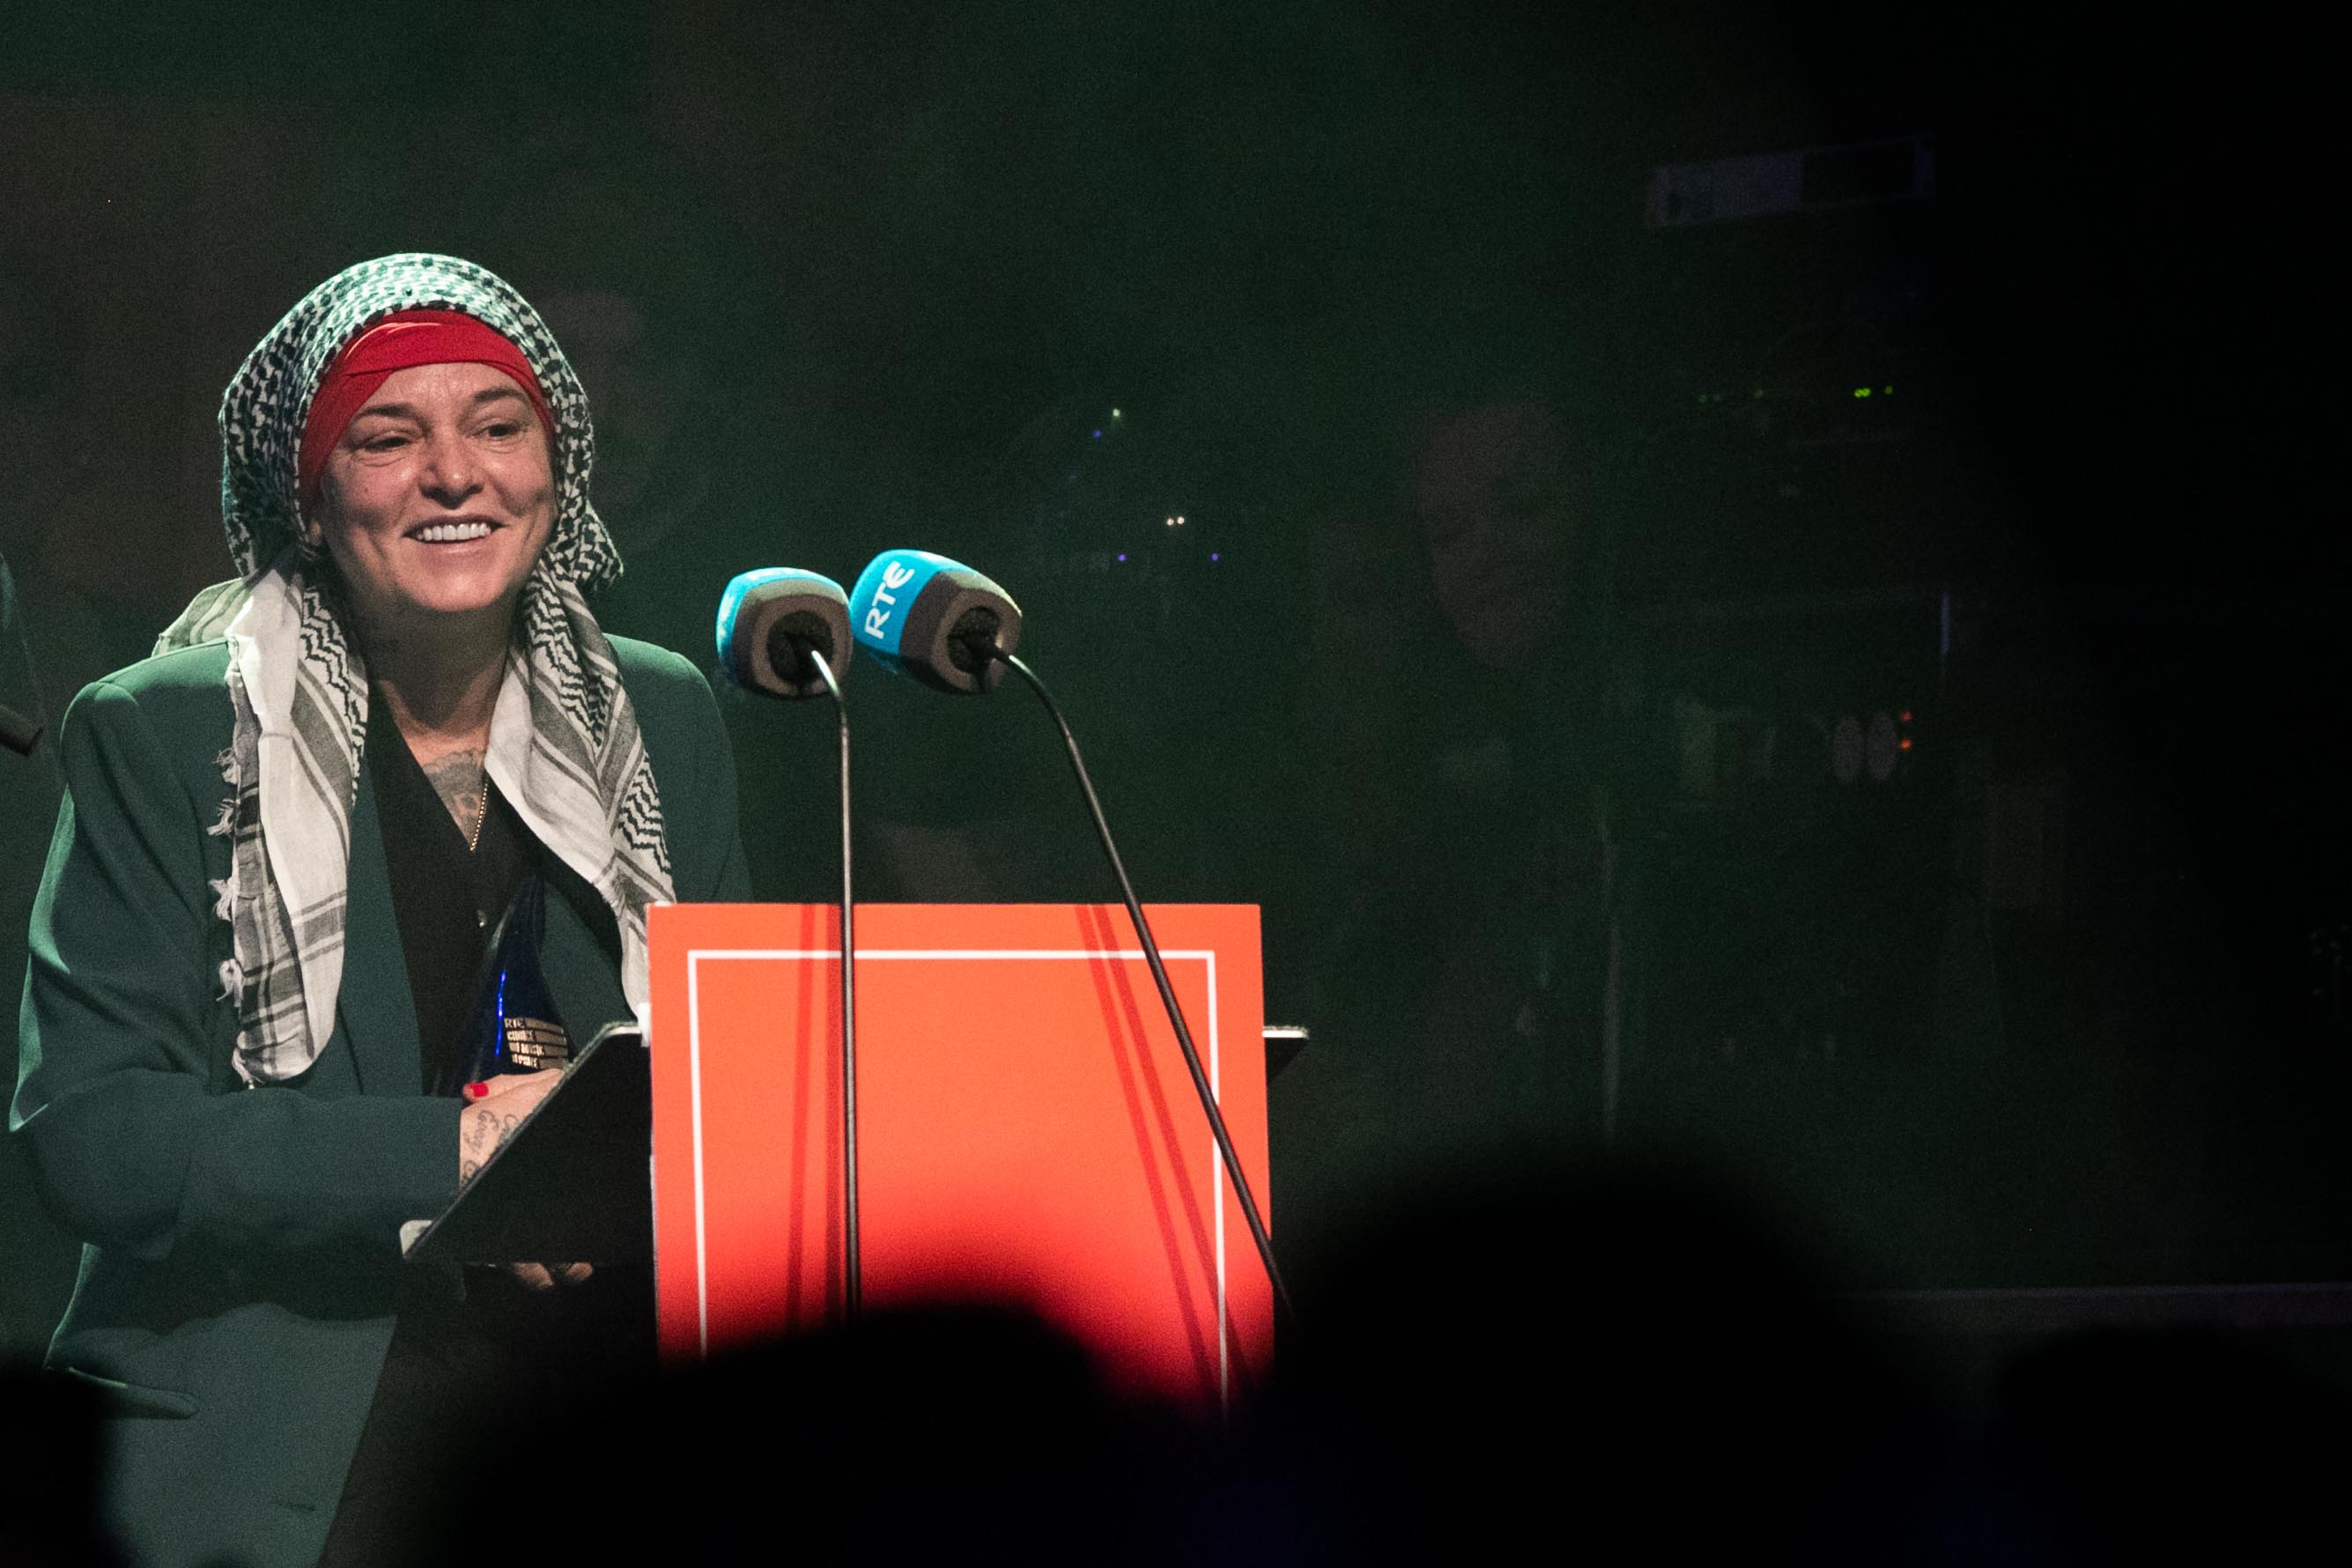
column 397, row 343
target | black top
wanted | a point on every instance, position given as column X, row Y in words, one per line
column 474, row 1354
column 447, row 897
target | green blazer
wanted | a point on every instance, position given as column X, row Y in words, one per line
column 240, row 1244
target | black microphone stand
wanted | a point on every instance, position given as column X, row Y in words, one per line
column 984, row 648
column 850, row 1291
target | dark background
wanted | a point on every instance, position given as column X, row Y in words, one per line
column 2053, row 1005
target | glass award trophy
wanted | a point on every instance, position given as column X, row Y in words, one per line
column 513, row 1026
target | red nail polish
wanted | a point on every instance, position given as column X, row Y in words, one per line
column 476, row 1090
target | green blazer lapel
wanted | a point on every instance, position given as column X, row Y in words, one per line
column 378, row 1015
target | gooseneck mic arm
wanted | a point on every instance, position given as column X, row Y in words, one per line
column 778, row 631
column 982, row 649
column 851, row 1295
column 941, row 623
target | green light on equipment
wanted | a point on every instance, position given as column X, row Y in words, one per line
column 1886, row 391
column 1114, row 413
column 1861, row 392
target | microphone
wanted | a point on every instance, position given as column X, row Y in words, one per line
column 772, row 620
column 935, row 620
column 784, row 632
column 949, row 627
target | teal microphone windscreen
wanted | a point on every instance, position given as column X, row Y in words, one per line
column 769, row 618
column 933, row 619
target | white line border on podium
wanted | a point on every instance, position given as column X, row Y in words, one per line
column 694, row 959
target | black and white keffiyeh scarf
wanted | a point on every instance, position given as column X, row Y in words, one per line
column 564, row 748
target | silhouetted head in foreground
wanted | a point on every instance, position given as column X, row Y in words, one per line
column 924, row 1436
column 1607, row 1364
column 2174, row 1445
column 1612, row 1360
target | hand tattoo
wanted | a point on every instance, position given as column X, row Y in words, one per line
column 480, row 1131
column 456, row 778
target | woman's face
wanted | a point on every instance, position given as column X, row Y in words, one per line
column 440, row 497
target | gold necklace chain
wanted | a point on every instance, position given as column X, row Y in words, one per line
column 481, row 809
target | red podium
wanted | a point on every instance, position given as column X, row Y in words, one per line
column 1027, row 1132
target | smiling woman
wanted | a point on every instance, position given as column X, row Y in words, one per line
column 433, row 503
column 427, row 472
column 451, row 457
column 255, row 944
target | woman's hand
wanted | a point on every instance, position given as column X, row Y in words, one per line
column 493, row 1111
column 548, row 1276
